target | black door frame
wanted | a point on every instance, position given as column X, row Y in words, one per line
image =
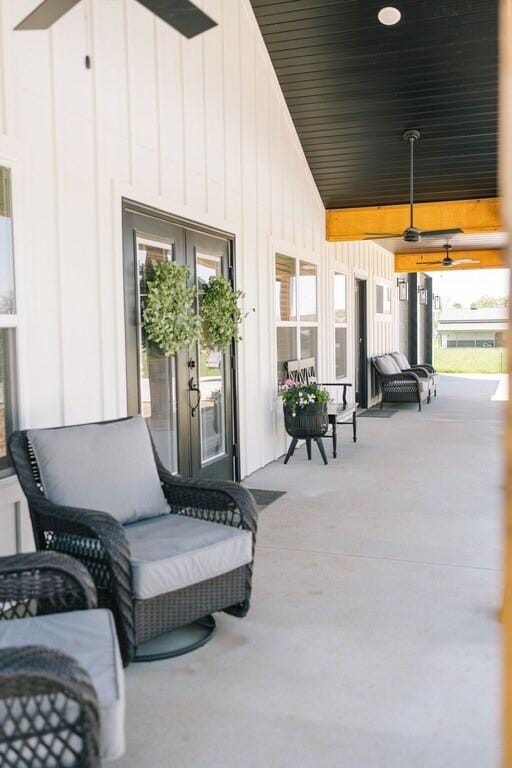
column 361, row 339
column 131, row 342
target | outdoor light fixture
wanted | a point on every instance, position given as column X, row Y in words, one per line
column 422, row 292
column 403, row 289
column 389, row 16
column 437, row 302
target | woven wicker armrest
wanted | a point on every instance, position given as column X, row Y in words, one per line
column 419, row 370
column 99, row 541
column 50, row 710
column 43, row 582
column 404, row 376
column 217, row 501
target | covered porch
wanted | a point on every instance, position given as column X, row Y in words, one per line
column 373, row 637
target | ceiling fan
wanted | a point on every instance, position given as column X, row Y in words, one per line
column 182, row 15
column 412, row 234
column 447, row 261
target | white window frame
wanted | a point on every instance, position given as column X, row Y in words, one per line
column 11, row 322
column 298, row 324
column 386, row 285
column 340, row 270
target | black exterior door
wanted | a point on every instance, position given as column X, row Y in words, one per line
column 361, row 355
column 187, row 400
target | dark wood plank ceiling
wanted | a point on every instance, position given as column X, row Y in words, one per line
column 353, row 86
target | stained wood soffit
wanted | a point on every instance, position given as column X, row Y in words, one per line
column 482, row 215
column 412, row 262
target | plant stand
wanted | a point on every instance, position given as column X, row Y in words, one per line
column 309, row 423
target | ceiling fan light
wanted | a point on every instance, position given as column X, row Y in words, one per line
column 389, row 16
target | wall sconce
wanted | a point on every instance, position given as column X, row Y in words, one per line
column 422, row 292
column 403, row 289
column 437, row 302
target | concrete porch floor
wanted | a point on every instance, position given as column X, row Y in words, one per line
column 373, row 637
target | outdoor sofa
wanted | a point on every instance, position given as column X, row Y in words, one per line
column 163, row 551
column 399, row 386
column 62, row 695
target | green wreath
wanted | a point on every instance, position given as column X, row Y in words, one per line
column 220, row 314
column 169, row 318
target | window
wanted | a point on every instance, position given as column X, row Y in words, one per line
column 340, row 324
column 296, row 308
column 8, row 319
column 382, row 299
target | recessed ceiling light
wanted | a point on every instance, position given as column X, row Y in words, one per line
column 389, row 16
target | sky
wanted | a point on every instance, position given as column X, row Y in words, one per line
column 466, row 286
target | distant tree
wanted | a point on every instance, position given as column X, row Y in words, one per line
column 456, row 305
column 491, row 301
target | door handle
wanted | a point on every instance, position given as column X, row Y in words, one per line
column 192, row 386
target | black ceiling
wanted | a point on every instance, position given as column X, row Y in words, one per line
column 353, row 86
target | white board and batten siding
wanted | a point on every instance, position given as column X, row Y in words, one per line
column 197, row 128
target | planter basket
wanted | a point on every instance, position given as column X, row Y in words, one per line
column 309, row 422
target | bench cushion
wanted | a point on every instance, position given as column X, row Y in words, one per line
column 400, row 360
column 108, row 467
column 90, row 638
column 386, row 365
column 175, row 551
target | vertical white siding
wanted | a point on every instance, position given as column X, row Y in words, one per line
column 198, row 128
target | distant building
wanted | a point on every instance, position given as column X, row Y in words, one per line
column 473, row 327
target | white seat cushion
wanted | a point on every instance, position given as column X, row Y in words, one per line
column 174, row 551
column 90, row 638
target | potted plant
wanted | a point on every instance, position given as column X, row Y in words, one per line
column 305, row 409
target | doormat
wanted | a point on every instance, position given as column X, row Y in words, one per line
column 378, row 413
column 263, row 498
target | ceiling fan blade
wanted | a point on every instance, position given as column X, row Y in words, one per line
column 46, row 14
column 182, row 15
column 381, row 235
column 466, row 261
column 441, row 232
column 423, row 263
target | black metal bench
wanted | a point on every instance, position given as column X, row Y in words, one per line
column 344, row 412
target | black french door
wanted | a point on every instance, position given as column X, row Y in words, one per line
column 188, row 399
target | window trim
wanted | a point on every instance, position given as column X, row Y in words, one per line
column 298, row 324
column 339, row 269
column 385, row 284
column 10, row 323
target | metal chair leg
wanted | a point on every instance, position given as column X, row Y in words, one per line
column 291, row 449
column 319, row 442
column 354, row 427
column 308, row 448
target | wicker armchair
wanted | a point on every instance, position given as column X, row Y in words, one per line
column 102, row 544
column 423, row 370
column 49, row 706
column 400, row 386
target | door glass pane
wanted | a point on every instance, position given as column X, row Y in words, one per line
column 308, row 343
column 341, row 352
column 7, row 301
column 286, row 350
column 285, row 288
column 211, row 377
column 307, row 292
column 340, row 298
column 157, row 384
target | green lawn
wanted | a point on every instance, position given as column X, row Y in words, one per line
column 471, row 360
